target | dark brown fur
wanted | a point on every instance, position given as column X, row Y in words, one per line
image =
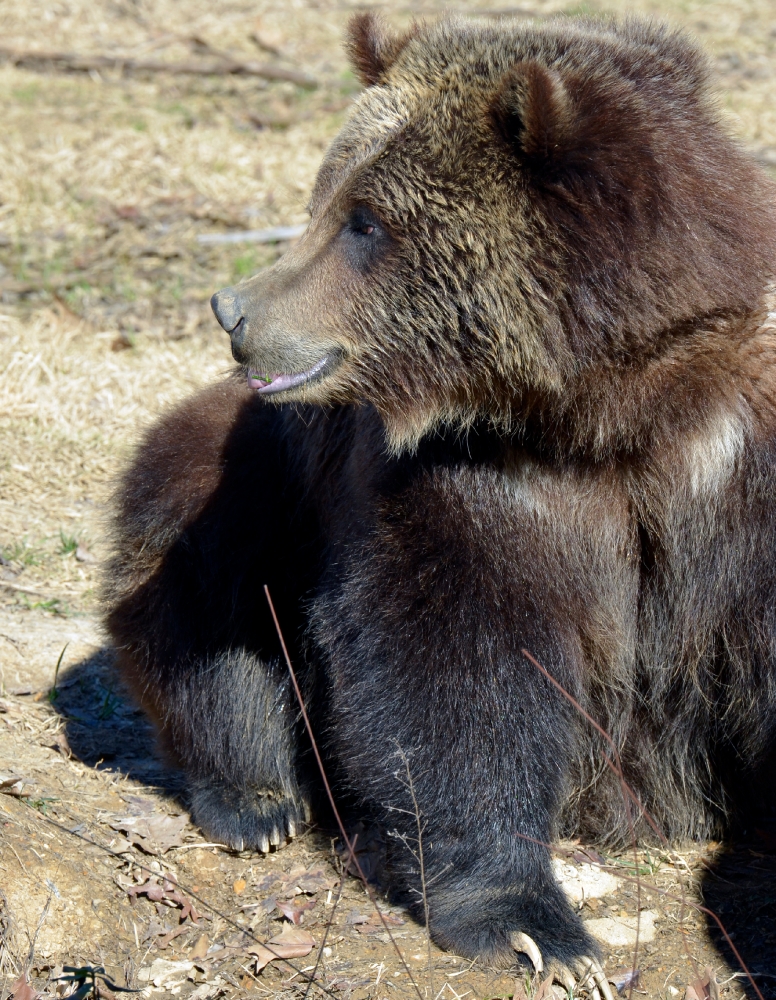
column 535, row 285
column 373, row 48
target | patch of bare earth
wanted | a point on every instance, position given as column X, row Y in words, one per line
column 109, row 174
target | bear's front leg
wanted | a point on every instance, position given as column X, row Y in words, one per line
column 224, row 710
column 231, row 721
column 202, row 522
column 484, row 744
column 424, row 630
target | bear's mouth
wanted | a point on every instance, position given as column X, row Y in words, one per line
column 269, row 382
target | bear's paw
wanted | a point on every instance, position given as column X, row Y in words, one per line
column 247, row 818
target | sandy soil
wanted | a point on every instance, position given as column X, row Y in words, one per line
column 107, row 179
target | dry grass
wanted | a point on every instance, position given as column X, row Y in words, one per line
column 105, row 183
column 70, row 410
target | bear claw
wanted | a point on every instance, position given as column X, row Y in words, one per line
column 526, row 945
column 589, row 972
column 592, row 972
column 247, row 818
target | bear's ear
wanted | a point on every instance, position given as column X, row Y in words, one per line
column 533, row 113
column 372, row 47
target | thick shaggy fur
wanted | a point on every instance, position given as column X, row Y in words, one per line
column 543, row 416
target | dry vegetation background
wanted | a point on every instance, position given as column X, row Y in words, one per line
column 107, row 179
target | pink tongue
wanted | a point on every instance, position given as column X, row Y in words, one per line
column 267, row 384
column 281, row 382
column 275, row 383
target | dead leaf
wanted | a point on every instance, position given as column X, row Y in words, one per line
column 59, row 743
column 162, row 970
column 200, row 948
column 519, row 991
column 154, row 834
column 299, row 879
column 126, row 211
column 120, row 845
column 290, row 943
column 164, row 939
column 625, row 979
column 139, row 805
column 21, row 990
column 266, row 38
column 703, row 989
column 294, row 911
column 12, row 786
column 374, row 925
column 122, row 342
column 162, row 892
column 266, row 882
column 316, row 880
column 548, row 991
column 239, row 885
column 208, row 991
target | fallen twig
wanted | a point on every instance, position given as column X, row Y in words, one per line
column 47, row 595
column 275, row 235
column 222, row 66
column 8, row 585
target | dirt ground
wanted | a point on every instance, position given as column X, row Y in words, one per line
column 108, row 177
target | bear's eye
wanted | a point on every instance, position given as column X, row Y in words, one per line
column 362, row 222
column 364, row 239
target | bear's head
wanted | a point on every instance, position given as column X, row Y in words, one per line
column 511, row 212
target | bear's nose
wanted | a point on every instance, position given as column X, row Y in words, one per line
column 228, row 310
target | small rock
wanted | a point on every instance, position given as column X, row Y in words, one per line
column 163, row 970
column 581, row 882
column 621, row 931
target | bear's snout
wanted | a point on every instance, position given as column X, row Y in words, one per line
column 228, row 308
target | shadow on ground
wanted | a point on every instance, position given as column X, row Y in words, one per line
column 741, row 889
column 105, row 730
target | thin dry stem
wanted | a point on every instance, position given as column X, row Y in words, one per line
column 332, row 803
column 179, row 885
column 410, row 785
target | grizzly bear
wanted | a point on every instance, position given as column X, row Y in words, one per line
column 523, row 372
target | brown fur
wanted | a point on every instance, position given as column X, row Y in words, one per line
column 372, row 47
column 524, row 286
column 534, row 304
